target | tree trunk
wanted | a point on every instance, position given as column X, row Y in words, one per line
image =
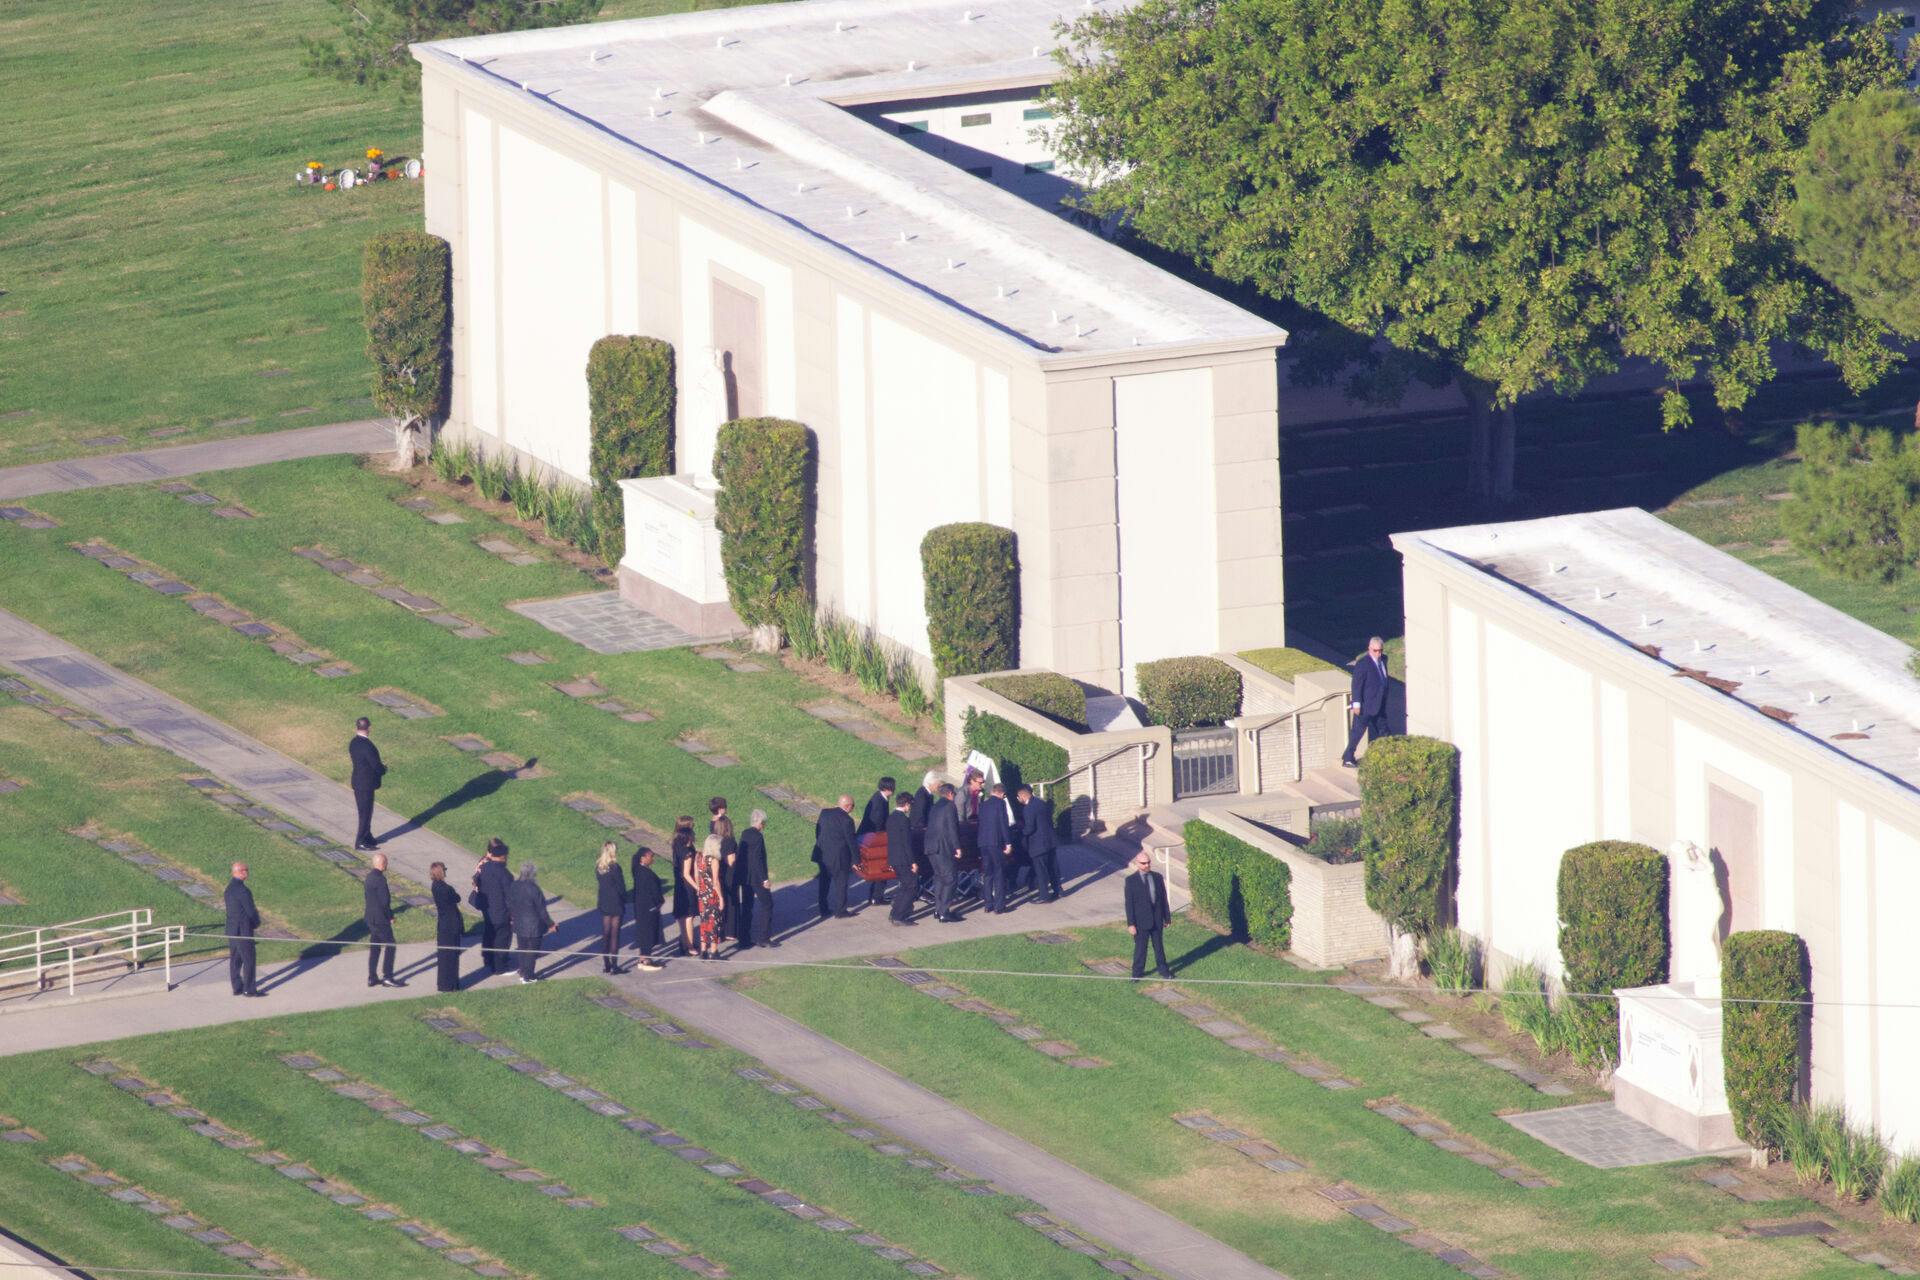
column 406, row 439
column 1502, row 460
column 766, row 638
column 1403, row 955
column 1490, row 444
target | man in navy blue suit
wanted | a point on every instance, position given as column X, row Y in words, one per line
column 1368, row 701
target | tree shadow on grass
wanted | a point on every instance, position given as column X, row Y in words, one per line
column 478, row 787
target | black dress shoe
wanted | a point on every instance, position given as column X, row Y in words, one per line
column 843, row 915
column 373, row 982
column 257, row 995
column 392, row 982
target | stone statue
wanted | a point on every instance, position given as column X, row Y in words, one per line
column 1697, row 912
column 706, row 388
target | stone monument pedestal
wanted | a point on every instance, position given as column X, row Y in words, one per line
column 1670, row 1075
column 672, row 563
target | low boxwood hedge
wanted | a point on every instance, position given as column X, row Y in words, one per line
column 1047, row 692
column 1613, row 933
column 1240, row 888
column 1020, row 756
column 1763, row 1020
column 1184, row 693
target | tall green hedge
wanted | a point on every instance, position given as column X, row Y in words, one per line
column 972, row 574
column 1021, row 758
column 1761, row 1042
column 1613, row 933
column 1184, row 693
column 1242, row 889
column 1409, row 805
column 406, row 297
column 1048, row 692
column 764, row 511
column 630, row 399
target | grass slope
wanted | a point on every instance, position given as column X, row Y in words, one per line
column 1116, row 1123
column 333, row 501
column 233, row 1073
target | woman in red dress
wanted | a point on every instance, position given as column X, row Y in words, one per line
column 703, row 875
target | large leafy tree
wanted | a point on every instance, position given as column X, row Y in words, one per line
column 1524, row 193
column 371, row 48
column 1857, row 205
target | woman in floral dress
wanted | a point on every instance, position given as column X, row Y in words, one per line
column 703, row 872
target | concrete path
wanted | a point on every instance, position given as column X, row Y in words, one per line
column 173, row 461
column 848, row 1080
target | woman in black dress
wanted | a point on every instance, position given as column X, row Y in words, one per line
column 449, row 927
column 613, row 905
column 686, row 908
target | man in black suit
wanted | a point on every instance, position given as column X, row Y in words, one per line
column 1042, row 846
column 900, row 857
column 648, row 898
column 1147, row 915
column 449, row 927
column 873, row 819
column 490, row 885
column 923, row 801
column 834, row 834
column 242, row 919
column 379, row 918
column 1368, row 700
column 368, row 770
column 758, row 930
column 942, row 855
column 994, row 840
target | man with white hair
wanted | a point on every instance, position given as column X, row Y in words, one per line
column 838, row 848
column 1368, row 701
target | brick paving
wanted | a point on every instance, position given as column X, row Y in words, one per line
column 605, row 623
column 1597, row 1134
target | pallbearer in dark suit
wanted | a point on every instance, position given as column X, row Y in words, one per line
column 368, row 770
column 490, row 890
column 1147, row 915
column 900, row 857
column 1042, row 846
column 995, row 843
column 834, row 834
column 874, row 818
column 648, row 897
column 379, row 918
column 942, row 855
column 758, row 932
column 448, row 930
column 1368, row 700
column 242, row 919
column 611, row 889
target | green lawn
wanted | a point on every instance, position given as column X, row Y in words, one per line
column 1117, row 1122
column 235, row 1076
column 353, row 513
column 162, row 267
column 138, row 795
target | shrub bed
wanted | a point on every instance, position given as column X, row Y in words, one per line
column 1047, row 692
column 764, row 512
column 1337, row 841
column 1239, row 887
column 1184, row 693
column 1613, row 933
column 1409, row 789
column 1761, row 1042
column 630, row 401
column 972, row 578
column 1283, row 662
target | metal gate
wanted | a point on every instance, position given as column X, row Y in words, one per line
column 1203, row 763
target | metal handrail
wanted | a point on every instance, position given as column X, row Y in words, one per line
column 66, row 945
column 1253, row 732
column 1147, row 748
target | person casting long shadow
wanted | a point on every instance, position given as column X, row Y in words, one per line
column 478, row 787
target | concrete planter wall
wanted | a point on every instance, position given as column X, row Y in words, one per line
column 1332, row 924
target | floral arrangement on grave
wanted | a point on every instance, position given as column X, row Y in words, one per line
column 312, row 174
column 374, row 155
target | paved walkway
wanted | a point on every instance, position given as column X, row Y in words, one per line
column 139, row 466
column 605, row 623
column 1599, row 1134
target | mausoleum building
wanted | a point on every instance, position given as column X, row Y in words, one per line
column 847, row 212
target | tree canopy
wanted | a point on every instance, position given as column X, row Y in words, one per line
column 1527, row 192
column 371, row 48
column 1857, row 204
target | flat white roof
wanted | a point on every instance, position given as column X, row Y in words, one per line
column 1818, row 673
column 749, row 100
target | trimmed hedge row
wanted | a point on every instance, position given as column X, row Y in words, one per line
column 1761, row 1042
column 1047, row 692
column 406, row 298
column 1613, row 933
column 764, row 512
column 1184, row 693
column 1242, row 889
column 1021, row 758
column 1409, row 804
column 630, row 399
column 972, row 576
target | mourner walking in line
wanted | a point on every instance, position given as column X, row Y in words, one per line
column 612, row 890
column 379, row 918
column 686, row 905
column 874, row 819
column 492, row 898
column 994, row 840
column 943, row 853
column 838, row 849
column 242, row 919
column 1147, row 915
column 368, row 771
column 1042, row 846
column 1368, row 700
column 900, row 857
column 531, row 922
column 703, row 871
column 923, row 800
column 449, row 928
column 647, row 900
column 733, row 896
column 758, row 932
